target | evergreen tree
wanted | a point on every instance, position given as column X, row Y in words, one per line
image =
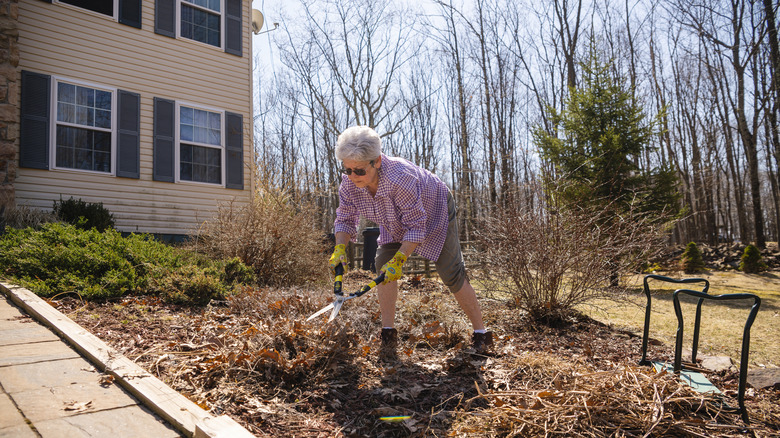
column 691, row 260
column 751, row 262
column 602, row 133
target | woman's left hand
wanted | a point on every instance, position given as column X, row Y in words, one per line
column 393, row 269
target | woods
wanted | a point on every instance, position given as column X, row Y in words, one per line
column 468, row 89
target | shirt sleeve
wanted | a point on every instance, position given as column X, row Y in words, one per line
column 347, row 215
column 408, row 200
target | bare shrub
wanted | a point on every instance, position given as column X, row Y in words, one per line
column 550, row 258
column 275, row 235
column 22, row 216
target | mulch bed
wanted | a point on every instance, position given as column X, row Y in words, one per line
column 255, row 358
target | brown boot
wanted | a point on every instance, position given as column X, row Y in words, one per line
column 389, row 344
column 389, row 338
column 482, row 342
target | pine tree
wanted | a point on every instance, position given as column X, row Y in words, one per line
column 691, row 260
column 601, row 133
column 751, row 262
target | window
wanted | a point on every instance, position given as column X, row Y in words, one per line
column 105, row 7
column 83, row 127
column 200, row 21
column 200, row 145
column 215, row 22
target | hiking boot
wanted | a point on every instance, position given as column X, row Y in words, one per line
column 482, row 342
column 387, row 351
column 389, row 338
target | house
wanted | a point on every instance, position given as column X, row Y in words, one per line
column 142, row 105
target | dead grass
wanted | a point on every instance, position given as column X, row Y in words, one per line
column 575, row 399
column 722, row 324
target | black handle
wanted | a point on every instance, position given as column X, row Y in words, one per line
column 369, row 286
column 337, row 283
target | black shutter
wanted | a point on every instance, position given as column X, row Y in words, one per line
column 128, row 143
column 234, row 34
column 234, row 151
column 165, row 17
column 164, row 121
column 34, row 126
column 130, row 13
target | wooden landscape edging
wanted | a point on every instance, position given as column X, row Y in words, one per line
column 183, row 414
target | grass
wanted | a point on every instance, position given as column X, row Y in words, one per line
column 722, row 322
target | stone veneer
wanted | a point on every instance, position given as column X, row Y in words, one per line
column 9, row 104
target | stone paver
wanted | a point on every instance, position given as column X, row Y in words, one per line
column 9, row 415
column 122, row 422
column 23, row 335
column 36, row 352
column 22, row 431
column 63, row 401
column 17, row 328
column 33, row 376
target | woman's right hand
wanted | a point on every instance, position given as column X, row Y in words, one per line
column 339, row 256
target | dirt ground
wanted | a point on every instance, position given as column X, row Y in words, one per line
column 257, row 359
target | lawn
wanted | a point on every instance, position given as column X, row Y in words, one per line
column 722, row 322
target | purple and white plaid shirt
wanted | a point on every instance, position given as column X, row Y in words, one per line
column 410, row 205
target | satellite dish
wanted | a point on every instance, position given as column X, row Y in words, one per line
column 257, row 21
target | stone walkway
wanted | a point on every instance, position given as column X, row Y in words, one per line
column 59, row 380
column 48, row 390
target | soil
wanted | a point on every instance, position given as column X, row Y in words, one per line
column 256, row 358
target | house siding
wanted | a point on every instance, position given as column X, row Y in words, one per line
column 74, row 44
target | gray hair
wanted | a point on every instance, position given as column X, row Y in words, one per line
column 358, row 143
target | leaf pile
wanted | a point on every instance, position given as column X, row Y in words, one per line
column 254, row 357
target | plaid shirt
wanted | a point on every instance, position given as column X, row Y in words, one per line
column 410, row 205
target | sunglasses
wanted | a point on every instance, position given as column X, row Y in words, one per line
column 359, row 172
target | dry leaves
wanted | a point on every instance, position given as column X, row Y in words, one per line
column 256, row 359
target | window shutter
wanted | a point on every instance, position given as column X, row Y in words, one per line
column 165, row 17
column 34, row 123
column 234, row 151
column 128, row 140
column 130, row 13
column 234, row 34
column 164, row 121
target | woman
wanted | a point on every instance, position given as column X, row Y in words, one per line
column 415, row 213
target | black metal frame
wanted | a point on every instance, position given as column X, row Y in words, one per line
column 646, row 332
column 743, row 365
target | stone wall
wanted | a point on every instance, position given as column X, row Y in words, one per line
column 9, row 103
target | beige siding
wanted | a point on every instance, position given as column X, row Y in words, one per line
column 74, row 44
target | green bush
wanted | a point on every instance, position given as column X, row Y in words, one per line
column 84, row 215
column 751, row 262
column 692, row 261
column 61, row 258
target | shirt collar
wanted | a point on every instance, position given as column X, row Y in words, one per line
column 383, row 189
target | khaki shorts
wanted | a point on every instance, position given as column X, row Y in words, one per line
column 449, row 266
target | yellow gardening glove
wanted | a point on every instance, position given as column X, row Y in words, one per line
column 339, row 256
column 392, row 269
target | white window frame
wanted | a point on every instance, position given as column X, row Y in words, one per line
column 221, row 14
column 97, row 14
column 221, row 147
column 53, row 125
